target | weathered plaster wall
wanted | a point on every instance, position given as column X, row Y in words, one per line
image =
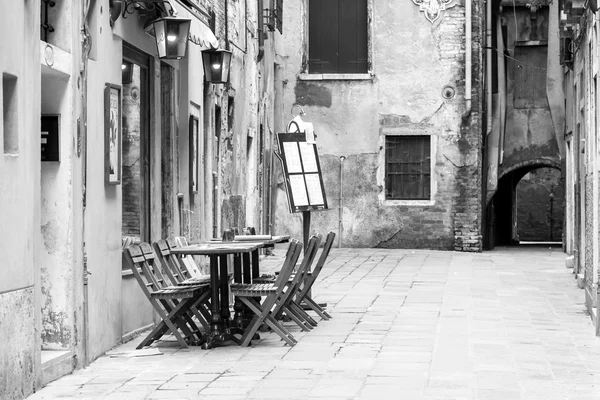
column 412, row 61
column 108, row 308
column 56, row 262
column 17, row 351
column 19, row 199
column 530, row 132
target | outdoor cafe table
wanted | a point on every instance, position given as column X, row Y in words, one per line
column 251, row 270
column 218, row 252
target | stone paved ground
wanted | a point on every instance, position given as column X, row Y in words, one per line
column 507, row 324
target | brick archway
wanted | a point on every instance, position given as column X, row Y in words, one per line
column 530, row 165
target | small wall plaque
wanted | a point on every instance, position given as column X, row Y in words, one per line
column 50, row 137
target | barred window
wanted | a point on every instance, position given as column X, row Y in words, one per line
column 408, row 167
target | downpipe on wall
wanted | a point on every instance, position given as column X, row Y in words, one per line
column 468, row 60
column 341, row 213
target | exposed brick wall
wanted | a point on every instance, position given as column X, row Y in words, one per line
column 589, row 232
column 538, row 217
column 468, row 201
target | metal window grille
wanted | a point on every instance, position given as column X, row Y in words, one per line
column 408, row 167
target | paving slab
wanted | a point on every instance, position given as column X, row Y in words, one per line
column 407, row 324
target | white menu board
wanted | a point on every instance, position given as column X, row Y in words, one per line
column 304, row 181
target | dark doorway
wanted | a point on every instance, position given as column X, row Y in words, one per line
column 527, row 207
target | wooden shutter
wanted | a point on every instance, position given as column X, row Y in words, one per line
column 352, row 36
column 337, row 39
column 323, row 36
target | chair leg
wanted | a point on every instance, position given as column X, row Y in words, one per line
column 297, row 319
column 159, row 330
column 303, row 314
column 316, row 308
column 280, row 330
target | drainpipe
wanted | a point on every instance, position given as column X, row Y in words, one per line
column 341, row 214
column 488, row 62
column 468, row 58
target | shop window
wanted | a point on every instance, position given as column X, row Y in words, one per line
column 9, row 112
column 337, row 37
column 408, row 167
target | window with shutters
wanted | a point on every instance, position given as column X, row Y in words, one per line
column 407, row 167
column 337, row 36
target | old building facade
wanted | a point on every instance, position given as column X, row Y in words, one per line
column 579, row 56
column 396, row 106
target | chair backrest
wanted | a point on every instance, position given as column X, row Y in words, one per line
column 170, row 264
column 292, row 255
column 324, row 254
column 304, row 268
column 188, row 261
column 139, row 258
column 310, row 280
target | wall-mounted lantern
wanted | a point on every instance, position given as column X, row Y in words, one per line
column 216, row 65
column 171, row 36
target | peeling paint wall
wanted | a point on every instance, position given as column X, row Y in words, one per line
column 19, row 198
column 412, row 62
column 17, row 353
column 56, row 262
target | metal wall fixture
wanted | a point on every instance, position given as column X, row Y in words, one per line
column 46, row 28
column 448, row 92
column 216, row 65
column 123, row 7
column 147, row 6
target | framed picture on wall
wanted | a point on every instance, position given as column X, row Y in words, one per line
column 194, row 126
column 112, row 134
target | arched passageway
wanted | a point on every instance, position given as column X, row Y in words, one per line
column 527, row 206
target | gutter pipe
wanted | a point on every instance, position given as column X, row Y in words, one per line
column 341, row 214
column 468, row 60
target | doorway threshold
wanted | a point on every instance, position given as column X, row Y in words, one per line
column 55, row 364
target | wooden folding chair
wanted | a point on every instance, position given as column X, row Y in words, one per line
column 174, row 304
column 248, row 292
column 176, row 273
column 303, row 298
column 286, row 301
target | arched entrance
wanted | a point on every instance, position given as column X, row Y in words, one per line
column 529, row 202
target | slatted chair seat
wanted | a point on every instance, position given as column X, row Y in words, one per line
column 203, row 280
column 253, row 289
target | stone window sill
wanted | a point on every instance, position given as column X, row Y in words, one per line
column 408, row 203
column 336, row 77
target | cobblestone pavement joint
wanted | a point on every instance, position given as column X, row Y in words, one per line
column 407, row 324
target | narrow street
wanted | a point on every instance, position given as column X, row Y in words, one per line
column 506, row 324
